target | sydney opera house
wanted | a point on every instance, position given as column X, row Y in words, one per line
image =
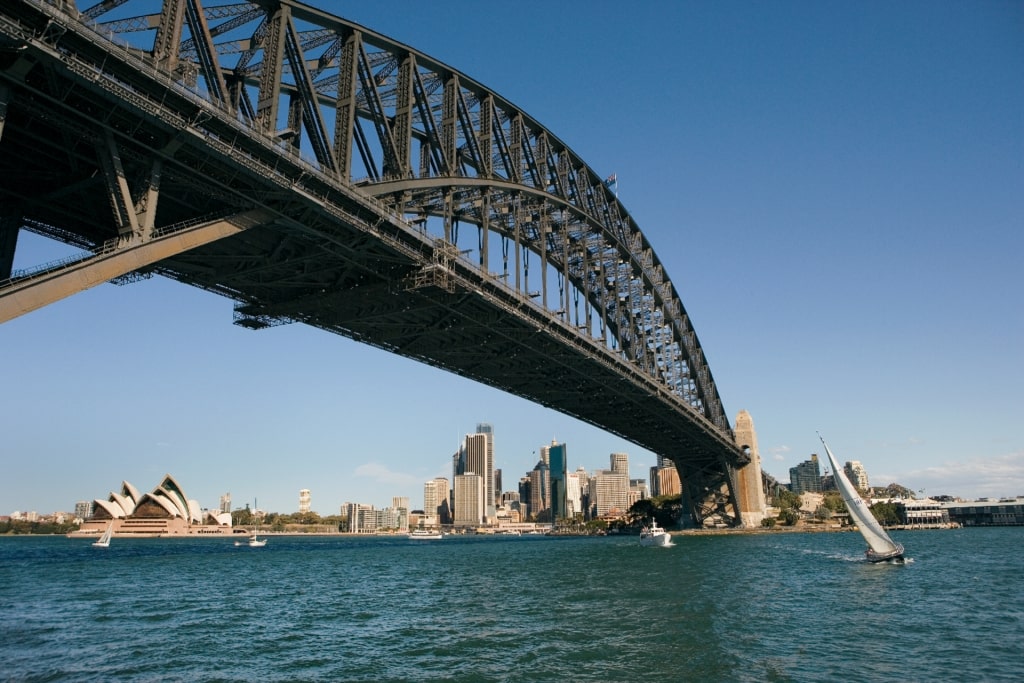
column 164, row 511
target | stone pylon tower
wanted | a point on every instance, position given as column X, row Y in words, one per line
column 749, row 486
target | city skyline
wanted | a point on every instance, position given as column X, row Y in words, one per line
column 834, row 190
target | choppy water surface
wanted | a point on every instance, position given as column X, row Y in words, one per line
column 762, row 607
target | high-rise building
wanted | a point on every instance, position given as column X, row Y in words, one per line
column 609, row 493
column 490, row 491
column 857, row 475
column 540, row 491
column 225, row 503
column 665, row 480
column 620, row 463
column 304, row 500
column 750, row 494
column 806, row 476
column 558, row 476
column 469, row 500
column 83, row 509
column 583, row 478
column 435, row 501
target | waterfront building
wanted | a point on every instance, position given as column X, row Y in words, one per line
column 361, row 517
column 558, row 476
column 469, row 500
column 924, row 512
column 806, row 476
column 304, row 501
column 985, row 512
column 164, row 511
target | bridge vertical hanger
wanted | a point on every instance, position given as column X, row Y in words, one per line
column 403, row 118
column 345, row 107
column 449, row 141
column 269, row 97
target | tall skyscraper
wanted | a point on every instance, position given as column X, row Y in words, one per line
column 469, row 500
column 540, row 491
column 225, row 503
column 620, row 463
column 558, row 474
column 488, row 472
column 304, row 500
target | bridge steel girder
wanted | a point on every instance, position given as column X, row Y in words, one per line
column 349, row 239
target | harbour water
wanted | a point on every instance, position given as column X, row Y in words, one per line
column 759, row 607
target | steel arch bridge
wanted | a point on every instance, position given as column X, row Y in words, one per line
column 317, row 172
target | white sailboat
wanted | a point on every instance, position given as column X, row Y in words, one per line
column 104, row 540
column 254, row 539
column 880, row 546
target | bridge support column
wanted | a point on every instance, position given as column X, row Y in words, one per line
column 749, row 487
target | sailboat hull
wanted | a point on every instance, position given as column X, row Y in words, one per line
column 894, row 555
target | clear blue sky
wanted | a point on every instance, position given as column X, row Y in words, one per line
column 836, row 190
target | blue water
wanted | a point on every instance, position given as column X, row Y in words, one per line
column 764, row 607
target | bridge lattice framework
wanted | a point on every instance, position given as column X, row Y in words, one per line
column 316, row 171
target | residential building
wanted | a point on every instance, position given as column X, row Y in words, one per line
column 806, row 476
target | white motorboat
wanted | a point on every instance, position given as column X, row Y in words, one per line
column 422, row 534
column 654, row 535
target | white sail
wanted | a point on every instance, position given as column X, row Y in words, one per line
column 104, row 540
column 869, row 527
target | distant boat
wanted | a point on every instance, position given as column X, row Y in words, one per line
column 654, row 535
column 254, row 538
column 422, row 534
column 880, row 547
column 104, row 540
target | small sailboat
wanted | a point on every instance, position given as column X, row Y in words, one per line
column 104, row 540
column 880, row 547
column 254, row 538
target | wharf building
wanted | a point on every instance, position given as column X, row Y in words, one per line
column 1002, row 512
column 163, row 512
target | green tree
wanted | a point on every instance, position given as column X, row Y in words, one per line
column 789, row 516
column 885, row 513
